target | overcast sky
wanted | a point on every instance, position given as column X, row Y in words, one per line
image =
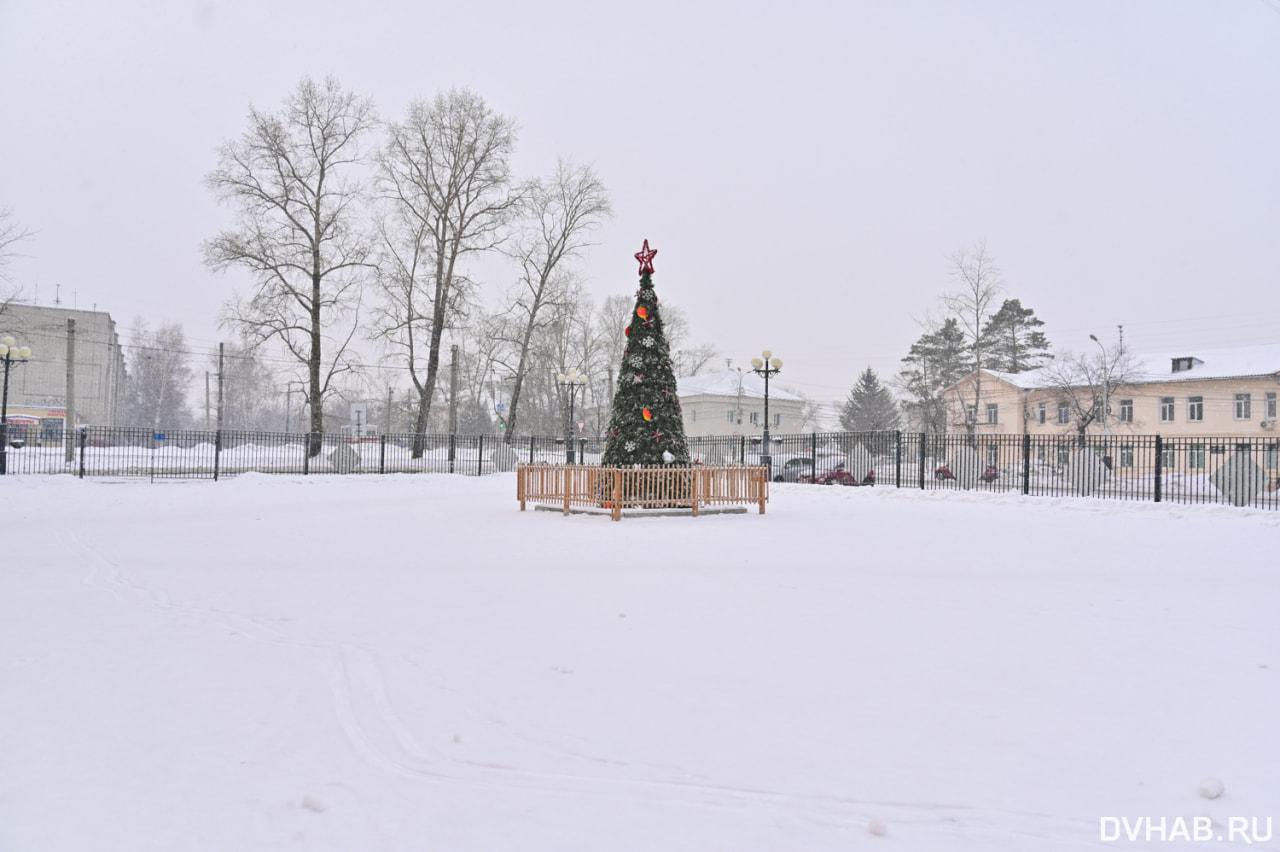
column 805, row 170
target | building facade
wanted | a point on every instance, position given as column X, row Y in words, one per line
column 1221, row 393
column 732, row 403
column 38, row 388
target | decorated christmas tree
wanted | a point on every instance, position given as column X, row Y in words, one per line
column 646, row 427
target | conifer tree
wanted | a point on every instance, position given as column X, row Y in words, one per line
column 1014, row 342
column 936, row 361
column 646, row 427
column 870, row 406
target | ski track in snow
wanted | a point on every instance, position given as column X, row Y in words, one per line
column 364, row 710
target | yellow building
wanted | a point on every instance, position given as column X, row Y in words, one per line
column 1220, row 392
column 1196, row 401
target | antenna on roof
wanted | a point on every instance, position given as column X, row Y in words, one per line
column 1121, row 327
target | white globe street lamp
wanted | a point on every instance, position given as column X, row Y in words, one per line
column 768, row 366
column 11, row 353
column 573, row 380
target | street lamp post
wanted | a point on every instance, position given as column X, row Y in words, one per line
column 11, row 353
column 1106, row 403
column 1106, row 390
column 766, row 366
column 573, row 380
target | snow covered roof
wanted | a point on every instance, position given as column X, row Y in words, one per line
column 1183, row 365
column 727, row 384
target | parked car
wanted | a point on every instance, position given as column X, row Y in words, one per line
column 797, row 469
column 840, row 476
column 991, row 474
column 801, row 468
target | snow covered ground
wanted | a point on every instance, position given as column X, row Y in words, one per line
column 411, row 663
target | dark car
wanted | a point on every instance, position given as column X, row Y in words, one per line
column 840, row 476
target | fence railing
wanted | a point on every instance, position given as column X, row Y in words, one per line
column 616, row 489
column 1234, row 470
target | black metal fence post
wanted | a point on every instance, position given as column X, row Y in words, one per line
column 920, row 471
column 480, row 456
column 1026, row 462
column 83, row 440
column 897, row 458
column 306, row 457
column 217, row 452
column 1159, row 467
column 382, row 453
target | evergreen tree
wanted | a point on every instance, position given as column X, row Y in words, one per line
column 870, row 407
column 1013, row 343
column 939, row 359
column 646, row 427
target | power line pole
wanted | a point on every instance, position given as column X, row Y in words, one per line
column 453, row 391
column 69, row 427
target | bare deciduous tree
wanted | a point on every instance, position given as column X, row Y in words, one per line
column 159, row 376
column 252, row 395
column 1088, row 383
column 973, row 303
column 557, row 217
column 293, row 178
column 11, row 233
column 446, row 174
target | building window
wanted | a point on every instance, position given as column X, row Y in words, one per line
column 1244, row 406
column 1126, row 455
column 1168, row 458
column 777, row 420
column 971, row 414
column 755, row 418
column 693, row 415
column 1126, row 411
column 1271, row 405
column 1064, row 413
column 1064, row 454
column 1042, row 412
column 993, row 454
column 1166, row 409
column 1271, row 457
column 993, row 412
column 1195, row 457
column 1195, row 409
column 733, row 417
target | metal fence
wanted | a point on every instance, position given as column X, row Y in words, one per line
column 1239, row 471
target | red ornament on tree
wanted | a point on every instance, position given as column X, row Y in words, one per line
column 642, row 312
column 648, row 415
column 645, row 256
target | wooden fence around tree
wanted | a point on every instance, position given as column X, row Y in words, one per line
column 615, row 489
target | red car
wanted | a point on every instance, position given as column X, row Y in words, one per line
column 839, row 476
column 991, row 474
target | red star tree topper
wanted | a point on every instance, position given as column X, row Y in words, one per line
column 645, row 256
